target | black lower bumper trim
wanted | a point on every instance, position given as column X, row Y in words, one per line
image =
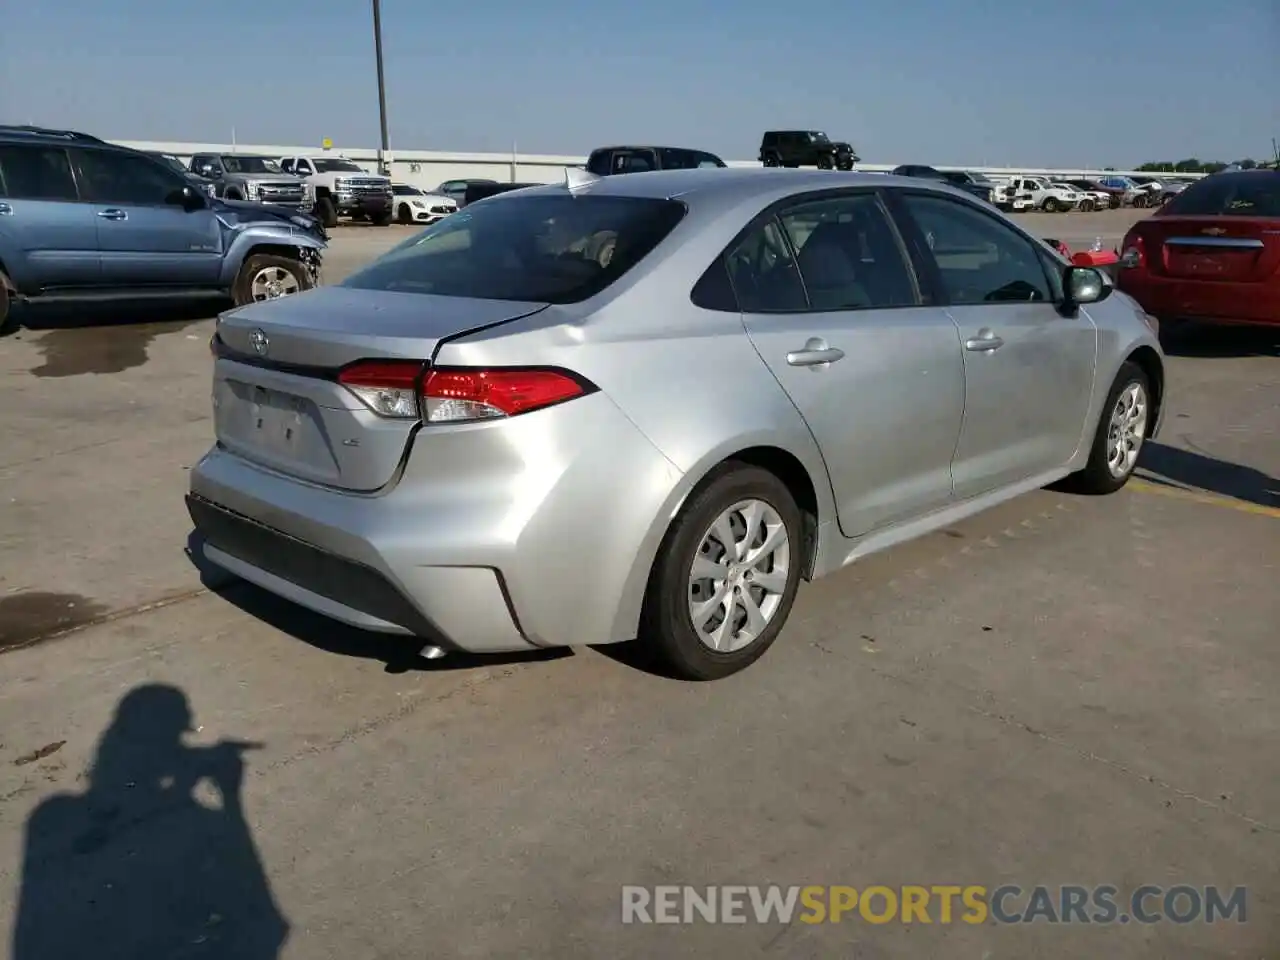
column 335, row 578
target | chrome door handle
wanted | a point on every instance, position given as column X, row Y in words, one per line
column 113, row 214
column 815, row 353
column 984, row 344
column 6, row 210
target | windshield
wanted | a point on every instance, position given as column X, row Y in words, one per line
column 1238, row 195
column 251, row 165
column 404, row 190
column 338, row 166
column 549, row 249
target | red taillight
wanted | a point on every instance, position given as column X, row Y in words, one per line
column 1133, row 252
column 453, row 394
column 396, row 389
column 387, row 387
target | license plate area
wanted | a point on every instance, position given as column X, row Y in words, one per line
column 273, row 427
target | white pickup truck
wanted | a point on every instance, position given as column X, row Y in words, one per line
column 1047, row 195
column 343, row 188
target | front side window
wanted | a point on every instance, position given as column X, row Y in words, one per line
column 110, row 177
column 848, row 255
column 36, row 173
column 979, row 258
column 550, row 249
column 763, row 272
column 1246, row 195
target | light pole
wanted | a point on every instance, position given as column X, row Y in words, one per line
column 382, row 86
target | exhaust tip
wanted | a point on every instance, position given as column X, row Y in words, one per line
column 431, row 652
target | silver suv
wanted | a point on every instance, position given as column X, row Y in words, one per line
column 256, row 179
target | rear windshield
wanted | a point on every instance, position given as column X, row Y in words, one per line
column 1229, row 195
column 549, row 249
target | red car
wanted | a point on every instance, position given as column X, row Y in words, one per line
column 1212, row 253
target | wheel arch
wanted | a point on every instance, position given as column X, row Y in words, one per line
column 1148, row 361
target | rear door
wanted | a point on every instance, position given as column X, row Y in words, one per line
column 144, row 238
column 1028, row 370
column 52, row 235
column 833, row 309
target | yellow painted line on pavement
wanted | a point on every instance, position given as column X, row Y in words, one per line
column 1209, row 499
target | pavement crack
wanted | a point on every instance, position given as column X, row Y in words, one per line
column 1011, row 721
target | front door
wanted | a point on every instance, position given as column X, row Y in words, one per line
column 1028, row 368
column 55, row 236
column 144, row 238
column 832, row 306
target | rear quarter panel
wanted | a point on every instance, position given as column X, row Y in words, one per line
column 688, row 379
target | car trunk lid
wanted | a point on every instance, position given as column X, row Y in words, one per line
column 1236, row 249
column 276, row 396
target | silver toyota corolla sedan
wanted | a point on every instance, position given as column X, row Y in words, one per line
column 648, row 406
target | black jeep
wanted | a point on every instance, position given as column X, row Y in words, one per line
column 805, row 148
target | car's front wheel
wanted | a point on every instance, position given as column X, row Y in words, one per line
column 1122, row 430
column 265, row 276
column 405, row 214
column 6, row 309
column 727, row 574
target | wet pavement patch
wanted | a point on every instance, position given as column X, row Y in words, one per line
column 105, row 349
column 48, row 750
column 28, row 617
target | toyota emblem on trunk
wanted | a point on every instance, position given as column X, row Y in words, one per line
column 258, row 340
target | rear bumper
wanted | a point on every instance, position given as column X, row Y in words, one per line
column 533, row 532
column 1203, row 300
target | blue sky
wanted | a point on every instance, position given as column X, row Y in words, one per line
column 996, row 83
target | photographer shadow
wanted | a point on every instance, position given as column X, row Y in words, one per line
column 155, row 858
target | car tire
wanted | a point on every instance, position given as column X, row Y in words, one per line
column 1104, row 473
column 844, row 163
column 326, row 212
column 772, row 160
column 667, row 621
column 1050, row 205
column 291, row 274
column 824, row 163
column 8, row 318
column 404, row 214
column 380, row 219
column 1086, row 206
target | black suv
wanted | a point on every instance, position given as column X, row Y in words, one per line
column 607, row 161
column 805, row 148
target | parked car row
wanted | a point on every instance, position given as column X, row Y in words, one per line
column 85, row 220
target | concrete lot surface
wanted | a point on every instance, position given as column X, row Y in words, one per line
column 1062, row 691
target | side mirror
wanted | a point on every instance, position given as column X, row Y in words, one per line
column 207, row 170
column 188, row 198
column 1084, row 285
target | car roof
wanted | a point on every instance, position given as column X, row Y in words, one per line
column 649, row 146
column 731, row 185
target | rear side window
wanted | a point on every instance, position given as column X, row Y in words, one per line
column 36, row 173
column 1246, row 195
column 548, row 249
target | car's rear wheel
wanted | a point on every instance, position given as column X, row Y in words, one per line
column 727, row 574
column 1122, row 430
column 7, row 323
column 266, row 276
column 1051, row 205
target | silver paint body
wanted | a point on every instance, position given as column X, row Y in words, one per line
column 541, row 529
